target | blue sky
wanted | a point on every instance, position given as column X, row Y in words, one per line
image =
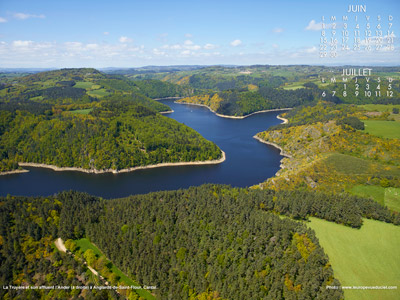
column 152, row 32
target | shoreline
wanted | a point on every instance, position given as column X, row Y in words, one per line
column 14, row 172
column 236, row 117
column 283, row 153
column 166, row 98
column 167, row 112
column 94, row 171
column 285, row 121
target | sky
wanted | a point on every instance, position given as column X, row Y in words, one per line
column 125, row 34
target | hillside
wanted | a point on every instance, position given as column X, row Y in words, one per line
column 327, row 154
column 242, row 103
column 242, row 90
column 82, row 118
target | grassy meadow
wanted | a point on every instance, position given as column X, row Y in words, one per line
column 98, row 93
column 84, row 85
column 351, row 165
column 82, row 111
column 362, row 257
column 385, row 129
column 380, row 107
column 389, row 196
column 92, row 89
column 392, row 198
column 370, row 191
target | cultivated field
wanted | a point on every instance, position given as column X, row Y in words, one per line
column 362, row 257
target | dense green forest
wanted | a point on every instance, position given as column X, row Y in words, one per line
column 115, row 135
column 207, row 240
column 86, row 119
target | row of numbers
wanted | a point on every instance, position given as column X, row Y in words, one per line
column 357, row 93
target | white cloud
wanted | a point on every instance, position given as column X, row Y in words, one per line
column 278, row 30
column 22, row 43
column 209, row 46
column 125, row 39
column 311, row 50
column 173, row 47
column 314, row 26
column 188, row 35
column 106, row 33
column 236, row 43
column 3, row 20
column 22, row 16
column 158, row 52
column 188, row 43
column 194, row 47
column 92, row 46
column 73, row 44
column 275, row 46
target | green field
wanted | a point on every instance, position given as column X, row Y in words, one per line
column 389, row 197
column 82, row 111
column 84, row 85
column 370, row 191
column 392, row 198
column 351, row 165
column 294, row 86
column 98, row 93
column 84, row 244
column 37, row 98
column 347, row 164
column 379, row 107
column 385, row 129
column 362, row 257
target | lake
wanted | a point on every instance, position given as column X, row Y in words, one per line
column 248, row 162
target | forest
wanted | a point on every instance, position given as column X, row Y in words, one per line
column 50, row 118
column 115, row 135
column 212, row 240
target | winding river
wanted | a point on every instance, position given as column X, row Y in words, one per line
column 248, row 162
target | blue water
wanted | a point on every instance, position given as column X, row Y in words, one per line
column 248, row 162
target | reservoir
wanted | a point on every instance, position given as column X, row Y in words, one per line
column 248, row 162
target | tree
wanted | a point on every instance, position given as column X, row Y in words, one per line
column 71, row 245
column 90, row 257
